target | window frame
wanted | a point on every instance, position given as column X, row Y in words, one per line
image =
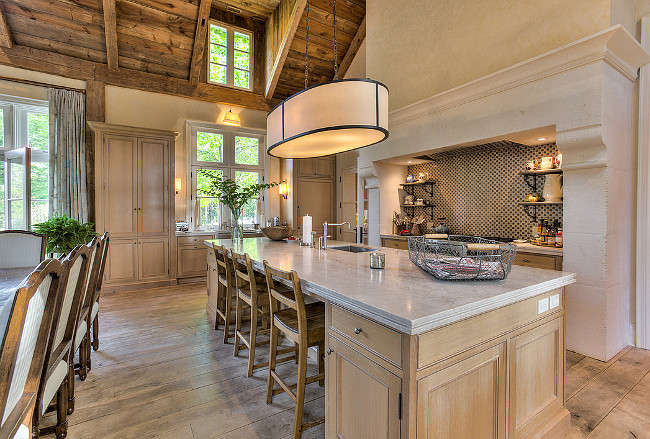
column 227, row 166
column 230, row 55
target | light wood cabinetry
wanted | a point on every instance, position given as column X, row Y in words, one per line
column 191, row 260
column 316, row 167
column 372, row 409
column 495, row 375
column 314, row 192
column 538, row 260
column 400, row 244
column 134, row 196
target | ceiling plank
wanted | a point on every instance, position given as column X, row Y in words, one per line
column 75, row 68
column 110, row 31
column 6, row 39
column 199, row 40
column 353, row 49
column 281, row 24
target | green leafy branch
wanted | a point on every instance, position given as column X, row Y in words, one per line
column 64, row 234
column 230, row 194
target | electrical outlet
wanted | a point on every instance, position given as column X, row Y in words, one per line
column 542, row 305
column 555, row 301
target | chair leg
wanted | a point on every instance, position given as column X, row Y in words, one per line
column 61, row 429
column 70, row 387
column 238, row 313
column 219, row 297
column 300, row 390
column 321, row 361
column 88, row 351
column 226, row 323
column 252, row 340
column 273, row 352
column 83, row 351
column 96, row 332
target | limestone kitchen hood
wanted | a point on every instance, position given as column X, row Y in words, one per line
column 585, row 91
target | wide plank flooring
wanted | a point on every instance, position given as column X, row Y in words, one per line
column 162, row 371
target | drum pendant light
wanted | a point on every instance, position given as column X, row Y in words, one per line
column 328, row 118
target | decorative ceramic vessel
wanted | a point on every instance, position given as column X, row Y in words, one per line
column 553, row 188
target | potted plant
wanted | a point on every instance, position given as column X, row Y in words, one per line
column 234, row 196
column 64, row 234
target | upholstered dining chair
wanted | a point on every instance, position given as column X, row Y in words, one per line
column 304, row 324
column 23, row 347
column 54, row 379
column 21, row 248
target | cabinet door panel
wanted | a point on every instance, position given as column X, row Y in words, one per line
column 324, row 167
column 154, row 258
column 192, row 260
column 465, row 400
column 305, row 167
column 315, row 199
column 536, row 378
column 153, row 205
column 365, row 396
column 122, row 262
column 120, row 185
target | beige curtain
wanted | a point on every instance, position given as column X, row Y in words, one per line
column 68, row 190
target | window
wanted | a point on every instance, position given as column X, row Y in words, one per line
column 230, row 61
column 24, row 163
column 225, row 153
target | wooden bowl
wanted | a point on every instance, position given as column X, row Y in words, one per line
column 277, row 233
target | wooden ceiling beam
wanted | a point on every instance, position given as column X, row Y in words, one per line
column 6, row 40
column 110, row 32
column 281, row 26
column 200, row 37
column 353, row 49
column 75, row 68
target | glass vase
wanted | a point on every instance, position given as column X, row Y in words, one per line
column 236, row 230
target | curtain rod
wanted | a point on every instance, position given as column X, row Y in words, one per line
column 39, row 84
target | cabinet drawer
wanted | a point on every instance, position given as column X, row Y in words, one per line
column 192, row 239
column 536, row 261
column 373, row 336
column 400, row 244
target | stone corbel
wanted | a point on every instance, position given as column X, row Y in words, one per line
column 582, row 147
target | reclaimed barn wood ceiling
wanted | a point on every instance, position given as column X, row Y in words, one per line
column 156, row 45
column 349, row 16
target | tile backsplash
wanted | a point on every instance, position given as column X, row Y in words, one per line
column 477, row 190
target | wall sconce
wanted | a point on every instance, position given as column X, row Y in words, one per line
column 177, row 185
column 284, row 189
column 231, row 118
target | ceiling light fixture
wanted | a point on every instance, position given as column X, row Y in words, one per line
column 231, row 118
column 410, row 161
column 541, row 139
column 328, row 118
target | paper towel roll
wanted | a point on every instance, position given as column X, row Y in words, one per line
column 262, row 220
column 306, row 229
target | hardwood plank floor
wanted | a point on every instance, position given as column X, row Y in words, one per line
column 162, row 371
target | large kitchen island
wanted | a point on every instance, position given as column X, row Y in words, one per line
column 409, row 356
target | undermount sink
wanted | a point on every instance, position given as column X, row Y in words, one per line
column 353, row 248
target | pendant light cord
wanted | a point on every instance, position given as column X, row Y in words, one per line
column 307, row 47
column 336, row 57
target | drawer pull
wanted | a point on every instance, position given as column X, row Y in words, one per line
column 358, row 330
column 525, row 260
column 329, row 351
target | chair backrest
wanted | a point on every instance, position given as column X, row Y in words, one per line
column 95, row 248
column 224, row 265
column 297, row 302
column 244, row 274
column 100, row 275
column 21, row 248
column 24, row 343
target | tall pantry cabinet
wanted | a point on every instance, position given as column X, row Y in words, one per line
column 134, row 201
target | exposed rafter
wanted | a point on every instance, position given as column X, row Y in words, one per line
column 6, row 40
column 282, row 26
column 110, row 31
column 354, row 48
column 76, row 68
column 200, row 37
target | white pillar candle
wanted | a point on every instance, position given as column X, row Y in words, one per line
column 306, row 229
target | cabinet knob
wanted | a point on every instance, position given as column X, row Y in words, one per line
column 525, row 260
column 135, row 208
column 358, row 330
column 329, row 351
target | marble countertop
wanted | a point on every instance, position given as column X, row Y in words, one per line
column 215, row 232
column 527, row 248
column 401, row 296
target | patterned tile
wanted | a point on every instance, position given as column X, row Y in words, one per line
column 477, row 190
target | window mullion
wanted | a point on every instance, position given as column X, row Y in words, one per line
column 230, row 53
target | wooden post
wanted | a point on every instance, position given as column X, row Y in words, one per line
column 95, row 111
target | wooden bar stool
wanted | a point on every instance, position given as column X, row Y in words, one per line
column 305, row 325
column 255, row 295
column 225, row 289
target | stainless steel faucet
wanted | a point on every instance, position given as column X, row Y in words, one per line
column 335, row 225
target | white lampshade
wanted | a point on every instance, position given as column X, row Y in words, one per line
column 329, row 118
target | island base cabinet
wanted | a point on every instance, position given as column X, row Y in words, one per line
column 363, row 397
column 465, row 400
